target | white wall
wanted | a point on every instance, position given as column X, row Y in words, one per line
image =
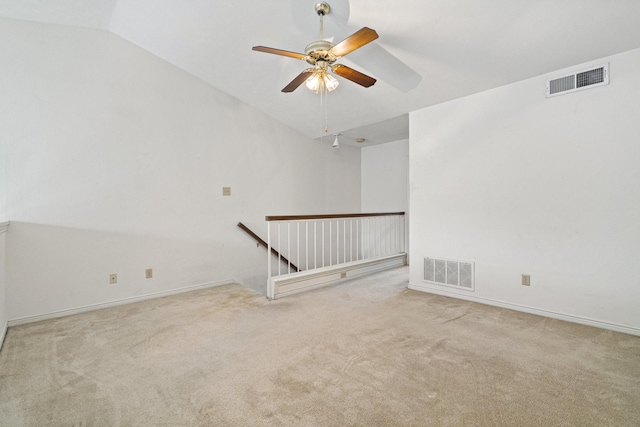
column 385, row 180
column 116, row 163
column 385, row 177
column 3, row 282
column 522, row 184
column 4, row 164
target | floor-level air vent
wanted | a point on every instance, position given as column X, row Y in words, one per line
column 449, row 273
column 584, row 79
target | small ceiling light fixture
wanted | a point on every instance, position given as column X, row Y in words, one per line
column 360, row 140
column 336, row 143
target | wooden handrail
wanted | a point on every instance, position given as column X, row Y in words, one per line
column 263, row 243
column 328, row 216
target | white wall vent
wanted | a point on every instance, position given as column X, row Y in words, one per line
column 459, row 274
column 584, row 79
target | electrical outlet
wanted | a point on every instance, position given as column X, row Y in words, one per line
column 526, row 280
column 113, row 279
column 148, row 273
column 226, row 191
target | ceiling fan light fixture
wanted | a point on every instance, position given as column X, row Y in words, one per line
column 321, row 82
column 330, row 82
column 313, row 83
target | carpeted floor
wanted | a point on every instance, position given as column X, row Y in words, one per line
column 367, row 352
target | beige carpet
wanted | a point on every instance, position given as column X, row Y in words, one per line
column 367, row 352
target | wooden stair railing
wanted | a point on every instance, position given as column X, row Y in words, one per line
column 329, row 216
column 263, row 243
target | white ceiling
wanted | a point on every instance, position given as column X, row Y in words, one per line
column 429, row 51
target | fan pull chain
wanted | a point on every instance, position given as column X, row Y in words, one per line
column 323, row 110
column 324, row 106
column 326, row 110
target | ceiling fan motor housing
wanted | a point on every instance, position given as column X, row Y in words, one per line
column 320, row 51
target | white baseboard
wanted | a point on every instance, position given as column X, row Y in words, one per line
column 3, row 333
column 68, row 312
column 531, row 310
column 303, row 281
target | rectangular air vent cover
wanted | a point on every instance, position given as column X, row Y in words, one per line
column 449, row 273
column 584, row 79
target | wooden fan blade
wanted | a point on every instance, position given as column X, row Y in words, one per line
column 354, row 41
column 279, row 52
column 353, row 75
column 297, row 81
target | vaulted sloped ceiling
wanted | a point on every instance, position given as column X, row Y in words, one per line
column 428, row 51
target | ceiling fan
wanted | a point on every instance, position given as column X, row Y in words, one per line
column 323, row 54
